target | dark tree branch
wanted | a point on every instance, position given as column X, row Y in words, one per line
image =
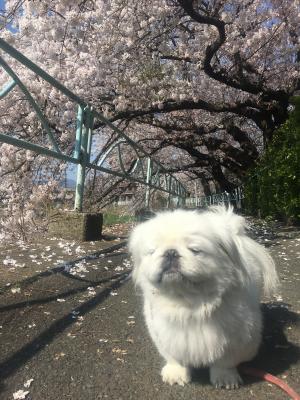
column 222, row 75
column 248, row 108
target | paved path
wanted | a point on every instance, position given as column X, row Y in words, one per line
column 76, row 329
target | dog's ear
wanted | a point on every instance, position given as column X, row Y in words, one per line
column 235, row 223
column 134, row 246
column 229, row 228
column 244, row 252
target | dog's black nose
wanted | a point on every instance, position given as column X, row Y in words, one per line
column 171, row 253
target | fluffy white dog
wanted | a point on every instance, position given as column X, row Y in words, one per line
column 202, row 279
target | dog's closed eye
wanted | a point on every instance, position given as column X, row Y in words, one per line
column 150, row 251
column 195, row 250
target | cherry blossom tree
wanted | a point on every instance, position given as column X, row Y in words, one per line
column 201, row 85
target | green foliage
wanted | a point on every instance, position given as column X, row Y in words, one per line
column 110, row 218
column 273, row 186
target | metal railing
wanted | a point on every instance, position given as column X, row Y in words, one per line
column 234, row 197
column 145, row 170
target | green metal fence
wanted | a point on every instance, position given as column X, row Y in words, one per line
column 235, row 198
column 146, row 170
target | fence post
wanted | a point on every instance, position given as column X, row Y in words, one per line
column 169, row 185
column 196, row 194
column 182, row 196
column 148, row 181
column 82, row 134
column 237, row 198
column 90, row 133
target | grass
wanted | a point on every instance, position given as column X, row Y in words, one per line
column 111, row 218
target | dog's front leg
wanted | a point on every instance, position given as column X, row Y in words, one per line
column 173, row 372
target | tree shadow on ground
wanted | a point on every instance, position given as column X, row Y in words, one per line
column 29, row 350
column 276, row 353
column 110, row 238
column 65, row 294
column 65, row 266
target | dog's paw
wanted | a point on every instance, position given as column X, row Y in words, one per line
column 227, row 378
column 175, row 373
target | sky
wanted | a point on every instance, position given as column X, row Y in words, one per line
column 2, row 7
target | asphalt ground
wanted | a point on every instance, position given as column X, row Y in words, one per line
column 71, row 325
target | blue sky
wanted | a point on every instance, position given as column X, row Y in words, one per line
column 2, row 7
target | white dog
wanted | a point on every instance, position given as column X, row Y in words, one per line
column 202, row 279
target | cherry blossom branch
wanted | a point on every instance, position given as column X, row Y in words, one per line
column 247, row 109
column 222, row 74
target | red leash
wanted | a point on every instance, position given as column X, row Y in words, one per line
column 270, row 378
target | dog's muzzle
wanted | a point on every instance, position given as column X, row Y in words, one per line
column 170, row 261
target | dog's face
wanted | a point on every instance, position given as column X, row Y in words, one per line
column 186, row 251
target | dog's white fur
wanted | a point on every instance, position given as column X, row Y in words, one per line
column 205, row 309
